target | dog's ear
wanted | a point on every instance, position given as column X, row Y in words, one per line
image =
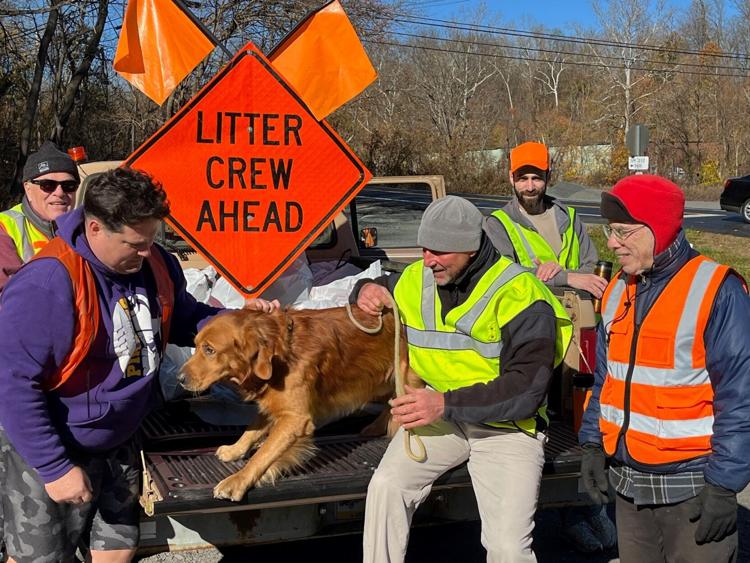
column 264, row 329
column 264, row 362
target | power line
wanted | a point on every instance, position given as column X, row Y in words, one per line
column 460, row 26
column 576, row 63
column 567, row 53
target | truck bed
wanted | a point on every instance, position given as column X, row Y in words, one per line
column 180, row 454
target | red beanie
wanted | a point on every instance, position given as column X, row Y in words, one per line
column 652, row 200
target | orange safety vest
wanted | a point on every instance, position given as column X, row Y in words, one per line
column 657, row 392
column 87, row 304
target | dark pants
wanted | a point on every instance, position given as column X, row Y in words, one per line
column 663, row 533
column 38, row 530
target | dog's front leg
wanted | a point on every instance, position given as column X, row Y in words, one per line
column 284, row 433
column 249, row 438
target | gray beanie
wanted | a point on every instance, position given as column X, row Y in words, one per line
column 451, row 224
column 46, row 160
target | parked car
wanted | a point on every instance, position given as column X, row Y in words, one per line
column 736, row 196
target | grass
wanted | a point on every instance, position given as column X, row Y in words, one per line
column 725, row 249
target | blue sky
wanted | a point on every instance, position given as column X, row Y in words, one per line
column 562, row 14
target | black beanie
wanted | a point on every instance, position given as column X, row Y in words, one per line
column 48, row 159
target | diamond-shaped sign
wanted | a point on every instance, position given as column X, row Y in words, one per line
column 252, row 177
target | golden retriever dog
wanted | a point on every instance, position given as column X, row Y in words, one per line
column 304, row 368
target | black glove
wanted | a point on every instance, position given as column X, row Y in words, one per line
column 593, row 474
column 717, row 510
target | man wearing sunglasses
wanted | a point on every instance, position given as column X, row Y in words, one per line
column 539, row 232
column 671, row 397
column 50, row 180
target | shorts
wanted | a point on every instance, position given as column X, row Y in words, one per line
column 37, row 529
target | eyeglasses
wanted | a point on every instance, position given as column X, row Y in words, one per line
column 49, row 186
column 619, row 234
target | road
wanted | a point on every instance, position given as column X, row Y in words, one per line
column 704, row 216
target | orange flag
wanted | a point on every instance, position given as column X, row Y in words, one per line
column 159, row 45
column 324, row 60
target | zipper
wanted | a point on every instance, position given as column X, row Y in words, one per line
column 628, row 378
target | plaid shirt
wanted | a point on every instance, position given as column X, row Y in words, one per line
column 655, row 488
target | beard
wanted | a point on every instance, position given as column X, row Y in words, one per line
column 532, row 203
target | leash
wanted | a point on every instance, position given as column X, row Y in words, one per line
column 408, row 434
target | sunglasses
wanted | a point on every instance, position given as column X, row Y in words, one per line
column 49, row 186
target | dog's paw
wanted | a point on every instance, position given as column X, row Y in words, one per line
column 229, row 453
column 232, row 488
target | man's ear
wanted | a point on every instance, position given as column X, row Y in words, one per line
column 94, row 228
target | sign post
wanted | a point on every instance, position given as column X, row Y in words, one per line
column 637, row 141
column 251, row 176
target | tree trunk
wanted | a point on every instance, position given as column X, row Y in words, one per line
column 27, row 122
column 66, row 105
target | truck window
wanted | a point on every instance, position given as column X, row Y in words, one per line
column 395, row 210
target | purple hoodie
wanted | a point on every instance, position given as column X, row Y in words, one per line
column 104, row 403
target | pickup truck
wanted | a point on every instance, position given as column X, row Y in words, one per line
column 326, row 496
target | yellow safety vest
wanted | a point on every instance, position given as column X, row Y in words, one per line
column 528, row 244
column 465, row 348
column 28, row 239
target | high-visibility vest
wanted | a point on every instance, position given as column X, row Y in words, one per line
column 26, row 237
column 87, row 304
column 657, row 392
column 465, row 348
column 528, row 244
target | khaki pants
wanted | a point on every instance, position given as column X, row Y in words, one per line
column 505, row 468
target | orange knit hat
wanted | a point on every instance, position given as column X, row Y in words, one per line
column 529, row 154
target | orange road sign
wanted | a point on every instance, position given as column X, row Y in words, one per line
column 252, row 177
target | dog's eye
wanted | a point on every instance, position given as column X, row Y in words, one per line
column 207, row 350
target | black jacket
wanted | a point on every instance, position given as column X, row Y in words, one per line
column 526, row 359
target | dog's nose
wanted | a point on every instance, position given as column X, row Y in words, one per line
column 181, row 378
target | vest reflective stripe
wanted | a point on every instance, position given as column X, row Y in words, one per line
column 27, row 239
column 662, row 377
column 468, row 320
column 465, row 348
column 87, row 305
column 670, row 429
column 447, row 341
column 530, row 245
column 669, row 412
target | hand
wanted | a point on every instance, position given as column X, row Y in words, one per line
column 717, row 511
column 547, row 271
column 417, row 407
column 594, row 284
column 593, row 474
column 73, row 488
column 259, row 304
column 372, row 298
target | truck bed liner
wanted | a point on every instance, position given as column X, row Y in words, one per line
column 341, row 468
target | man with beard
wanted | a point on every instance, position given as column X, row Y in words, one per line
column 539, row 232
column 485, row 335
column 50, row 180
column 547, row 237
